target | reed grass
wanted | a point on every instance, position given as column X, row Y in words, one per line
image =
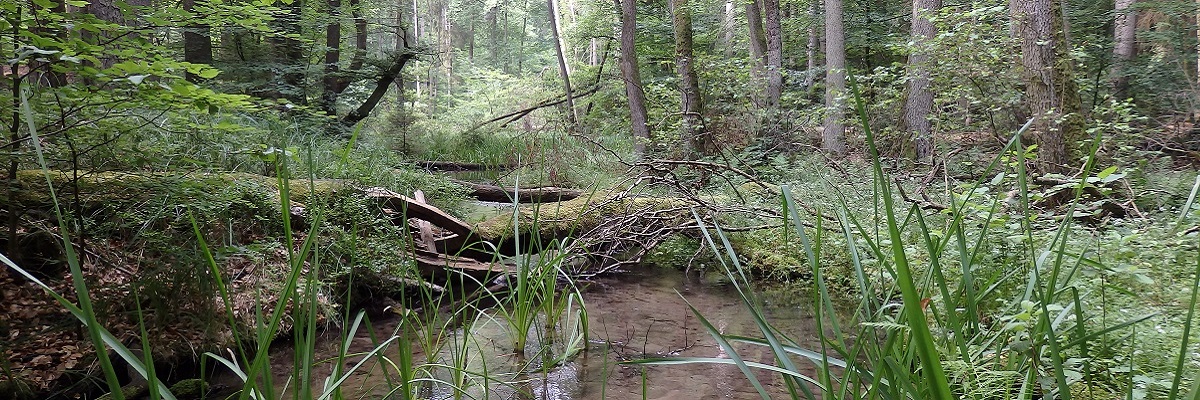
column 897, row 350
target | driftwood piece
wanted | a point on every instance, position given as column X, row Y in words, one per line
column 499, row 194
column 424, row 228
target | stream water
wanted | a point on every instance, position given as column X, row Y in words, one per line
column 632, row 315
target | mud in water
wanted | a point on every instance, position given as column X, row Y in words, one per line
column 643, row 313
column 632, row 315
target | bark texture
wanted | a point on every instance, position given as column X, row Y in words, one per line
column 695, row 136
column 632, row 76
column 333, row 52
column 1050, row 91
column 833, row 136
column 758, row 41
column 918, row 102
column 197, row 44
column 1124, row 45
column 774, row 53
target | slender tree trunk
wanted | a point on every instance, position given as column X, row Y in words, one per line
column 758, row 41
column 1124, row 45
column 404, row 39
column 833, row 136
column 1050, row 91
column 494, row 34
column 562, row 64
column 774, row 53
column 814, row 43
column 360, row 36
column 524, row 32
column 447, row 46
column 333, row 53
column 918, row 102
column 632, row 77
column 698, row 141
column 727, row 27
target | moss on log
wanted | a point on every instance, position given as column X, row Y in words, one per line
column 103, row 187
column 549, row 221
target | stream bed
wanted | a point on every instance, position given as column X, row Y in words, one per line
column 631, row 315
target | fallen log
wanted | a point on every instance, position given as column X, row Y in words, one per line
column 545, row 194
column 433, row 265
column 455, row 166
column 411, row 208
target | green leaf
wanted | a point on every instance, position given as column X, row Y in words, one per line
column 208, row 73
column 1106, row 172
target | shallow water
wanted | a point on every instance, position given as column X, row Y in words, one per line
column 632, row 315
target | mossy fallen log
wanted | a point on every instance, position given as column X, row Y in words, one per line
column 104, row 186
column 539, row 225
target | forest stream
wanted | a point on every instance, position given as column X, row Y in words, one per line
column 636, row 314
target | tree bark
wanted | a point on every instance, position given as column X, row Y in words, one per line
column 833, row 136
column 333, row 52
column 562, row 64
column 758, row 41
column 360, row 36
column 695, row 137
column 918, row 102
column 814, row 44
column 632, row 76
column 1050, row 91
column 197, row 45
column 1124, row 45
column 774, row 53
column 727, row 27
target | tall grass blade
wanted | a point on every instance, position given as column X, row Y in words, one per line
column 931, row 366
column 1187, row 332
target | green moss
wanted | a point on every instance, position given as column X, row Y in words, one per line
column 575, row 216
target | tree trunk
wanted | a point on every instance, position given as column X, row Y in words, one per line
column 833, row 136
column 1050, row 91
column 197, row 43
column 404, row 39
column 562, row 64
column 758, row 42
column 360, row 37
column 1124, row 46
column 774, row 53
column 632, row 77
column 814, row 44
column 333, row 53
column 727, row 27
column 918, row 102
column 698, row 141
